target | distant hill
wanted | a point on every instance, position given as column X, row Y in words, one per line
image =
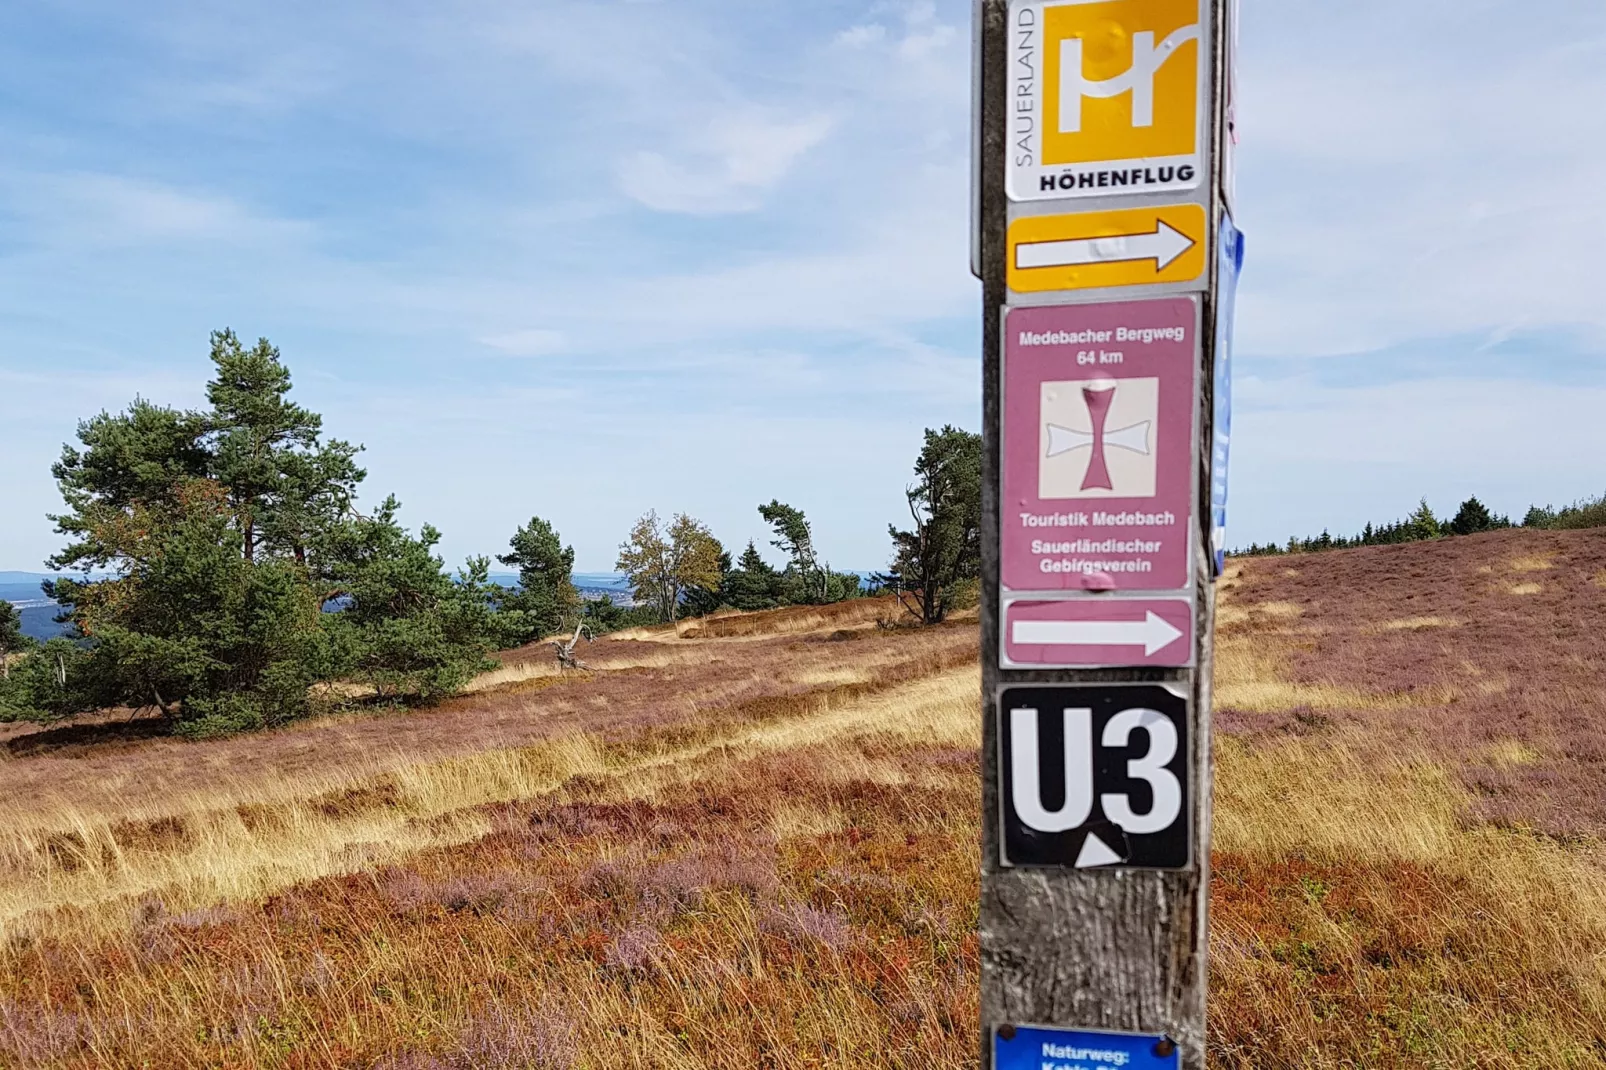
column 39, row 621
column 21, row 589
column 591, row 585
column 20, row 592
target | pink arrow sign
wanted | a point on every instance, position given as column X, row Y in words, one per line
column 1099, row 633
column 1099, row 445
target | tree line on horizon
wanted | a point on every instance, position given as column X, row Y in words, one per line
column 1470, row 519
column 220, row 570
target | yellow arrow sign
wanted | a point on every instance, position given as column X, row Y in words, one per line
column 1119, row 247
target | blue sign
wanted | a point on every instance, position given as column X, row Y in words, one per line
column 1231, row 264
column 1037, row 1048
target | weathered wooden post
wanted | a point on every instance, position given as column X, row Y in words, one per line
column 1108, row 258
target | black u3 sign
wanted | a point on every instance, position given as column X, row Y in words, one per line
column 1095, row 777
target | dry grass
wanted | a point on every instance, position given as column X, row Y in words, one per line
column 1232, row 613
column 1251, row 677
column 1510, row 753
column 758, row 849
column 84, row 868
column 1525, row 588
column 793, row 620
column 1359, row 920
column 112, row 769
column 87, row 872
column 1526, row 669
column 1416, row 624
column 538, row 668
column 797, row 878
column 1417, row 881
column 1532, row 563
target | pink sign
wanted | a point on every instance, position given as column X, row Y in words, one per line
column 1098, row 462
column 1099, row 632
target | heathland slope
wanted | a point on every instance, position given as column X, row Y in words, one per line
column 753, row 843
column 1411, row 806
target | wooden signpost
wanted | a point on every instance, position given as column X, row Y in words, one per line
column 1107, row 254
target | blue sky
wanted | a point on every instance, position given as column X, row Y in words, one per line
column 582, row 259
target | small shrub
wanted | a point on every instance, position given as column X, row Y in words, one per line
column 36, row 1036
column 215, row 718
column 801, row 922
column 516, row 1039
column 634, row 950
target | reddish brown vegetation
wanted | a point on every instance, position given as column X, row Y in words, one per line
column 1440, row 618
column 766, row 854
column 696, row 930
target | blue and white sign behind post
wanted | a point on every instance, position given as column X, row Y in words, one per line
column 1231, row 264
column 1038, row 1048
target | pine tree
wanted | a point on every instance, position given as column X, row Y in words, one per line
column 795, row 539
column 12, row 641
column 1472, row 517
column 1423, row 524
column 227, row 532
column 405, row 626
column 753, row 583
column 546, row 593
column 943, row 549
column 284, row 483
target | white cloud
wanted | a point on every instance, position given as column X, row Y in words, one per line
column 81, row 209
column 862, row 36
column 726, row 167
column 1435, row 178
column 535, row 342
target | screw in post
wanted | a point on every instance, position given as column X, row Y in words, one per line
column 1167, row 1046
column 1006, row 1031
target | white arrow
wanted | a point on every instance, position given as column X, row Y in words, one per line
column 1094, row 853
column 1152, row 633
column 1162, row 245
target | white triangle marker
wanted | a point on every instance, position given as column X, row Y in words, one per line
column 1095, row 852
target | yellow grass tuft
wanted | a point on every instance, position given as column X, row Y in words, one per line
column 1532, row 563
column 543, row 665
column 1249, row 677
column 1525, row 588
column 1324, row 801
column 1231, row 613
column 1511, row 753
column 838, row 677
column 1416, row 624
column 1599, row 579
column 791, row 821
